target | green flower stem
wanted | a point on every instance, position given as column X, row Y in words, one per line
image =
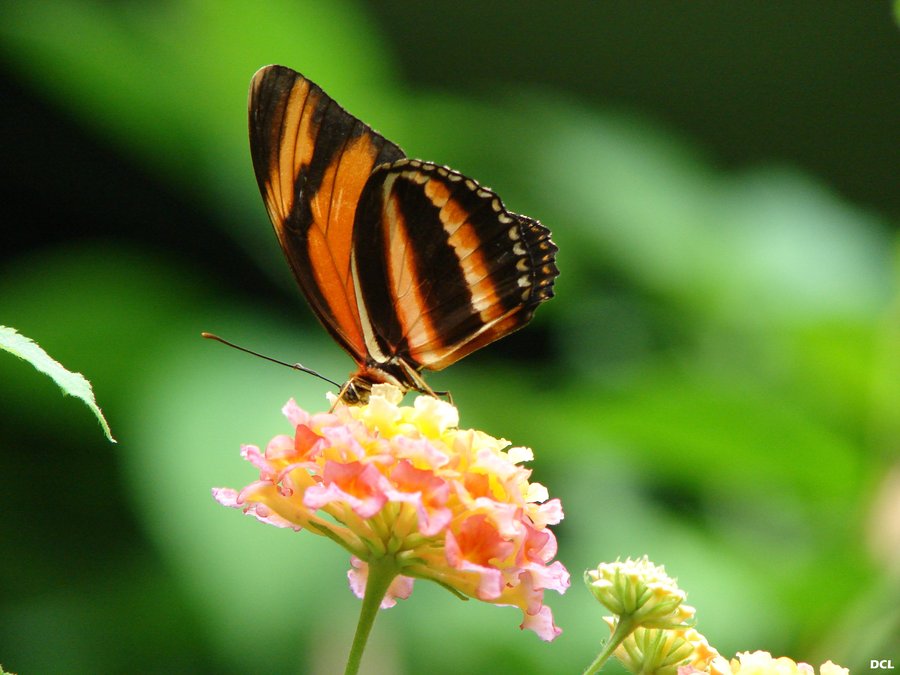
column 624, row 627
column 381, row 573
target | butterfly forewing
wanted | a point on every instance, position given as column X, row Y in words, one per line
column 312, row 159
column 443, row 268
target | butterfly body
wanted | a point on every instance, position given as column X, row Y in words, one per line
column 409, row 265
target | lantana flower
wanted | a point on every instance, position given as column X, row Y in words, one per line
column 763, row 663
column 653, row 630
column 412, row 496
column 663, row 651
column 640, row 592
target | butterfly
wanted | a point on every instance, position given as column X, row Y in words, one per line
column 409, row 265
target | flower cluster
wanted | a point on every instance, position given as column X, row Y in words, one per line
column 404, row 484
column 652, row 629
column 763, row 663
column 663, row 650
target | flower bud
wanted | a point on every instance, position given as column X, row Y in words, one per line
column 641, row 592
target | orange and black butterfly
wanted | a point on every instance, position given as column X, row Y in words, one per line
column 408, row 264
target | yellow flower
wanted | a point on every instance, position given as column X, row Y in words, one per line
column 703, row 653
column 763, row 663
column 404, row 484
column 641, row 592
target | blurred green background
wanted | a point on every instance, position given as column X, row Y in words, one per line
column 716, row 384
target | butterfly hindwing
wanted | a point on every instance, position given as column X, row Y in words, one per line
column 312, row 160
column 443, row 268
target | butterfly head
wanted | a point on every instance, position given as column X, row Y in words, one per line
column 395, row 372
column 355, row 391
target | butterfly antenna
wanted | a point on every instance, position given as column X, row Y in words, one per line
column 293, row 366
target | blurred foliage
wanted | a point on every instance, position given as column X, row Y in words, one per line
column 717, row 383
column 71, row 384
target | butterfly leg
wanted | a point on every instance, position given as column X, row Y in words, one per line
column 445, row 394
column 420, row 384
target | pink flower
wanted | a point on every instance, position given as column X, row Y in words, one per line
column 384, row 480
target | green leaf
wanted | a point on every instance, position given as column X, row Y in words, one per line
column 72, row 384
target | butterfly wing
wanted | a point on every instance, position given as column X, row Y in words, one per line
column 312, row 160
column 442, row 267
